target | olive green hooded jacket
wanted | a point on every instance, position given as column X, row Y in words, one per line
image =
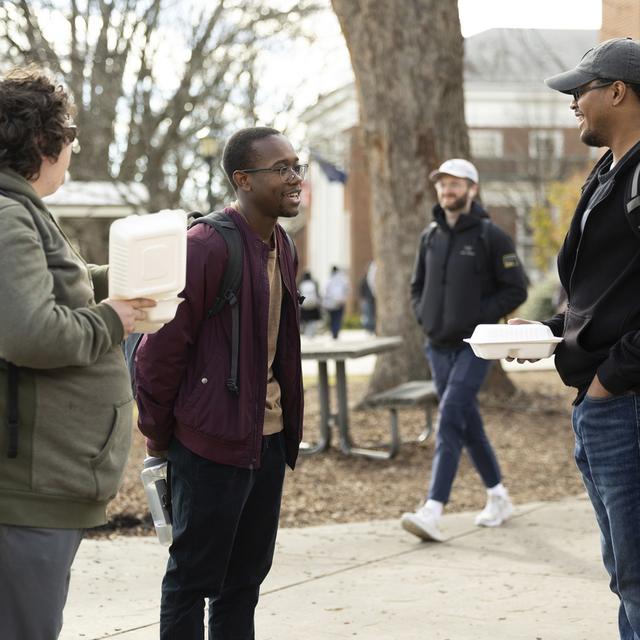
column 74, row 394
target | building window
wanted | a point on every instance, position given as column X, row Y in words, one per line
column 485, row 143
column 546, row 144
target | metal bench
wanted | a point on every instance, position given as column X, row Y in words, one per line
column 409, row 394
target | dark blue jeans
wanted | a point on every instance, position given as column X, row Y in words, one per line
column 335, row 320
column 458, row 376
column 225, row 521
column 608, row 455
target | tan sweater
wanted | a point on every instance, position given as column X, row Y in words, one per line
column 273, row 410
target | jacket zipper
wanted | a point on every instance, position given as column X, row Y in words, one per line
column 582, row 231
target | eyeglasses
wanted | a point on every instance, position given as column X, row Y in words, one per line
column 287, row 174
column 70, row 133
column 580, row 91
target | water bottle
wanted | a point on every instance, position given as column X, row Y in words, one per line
column 154, row 479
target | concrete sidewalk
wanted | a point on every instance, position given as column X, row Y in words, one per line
column 538, row 577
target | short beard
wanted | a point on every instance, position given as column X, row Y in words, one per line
column 458, row 205
column 284, row 213
column 592, row 139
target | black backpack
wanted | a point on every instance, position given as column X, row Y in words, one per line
column 632, row 201
column 227, row 293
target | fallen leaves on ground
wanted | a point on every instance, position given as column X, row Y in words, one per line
column 531, row 434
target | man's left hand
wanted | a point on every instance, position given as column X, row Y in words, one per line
column 596, row 390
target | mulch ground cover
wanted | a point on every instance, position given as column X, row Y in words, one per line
column 530, row 431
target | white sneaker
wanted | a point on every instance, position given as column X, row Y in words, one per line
column 424, row 524
column 496, row 511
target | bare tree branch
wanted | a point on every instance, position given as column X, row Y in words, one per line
column 136, row 122
column 40, row 48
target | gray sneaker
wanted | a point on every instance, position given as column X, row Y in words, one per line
column 497, row 510
column 424, row 524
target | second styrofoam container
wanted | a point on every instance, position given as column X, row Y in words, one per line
column 148, row 256
column 525, row 341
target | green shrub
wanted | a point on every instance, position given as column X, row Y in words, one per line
column 540, row 302
column 352, row 321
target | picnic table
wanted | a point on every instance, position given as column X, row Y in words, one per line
column 339, row 351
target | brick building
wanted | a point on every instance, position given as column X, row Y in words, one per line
column 620, row 18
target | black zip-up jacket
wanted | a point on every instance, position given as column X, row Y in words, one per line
column 600, row 271
column 460, row 281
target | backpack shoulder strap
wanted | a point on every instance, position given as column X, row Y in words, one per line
column 232, row 276
column 632, row 201
column 230, row 285
column 485, row 229
column 292, row 246
column 431, row 230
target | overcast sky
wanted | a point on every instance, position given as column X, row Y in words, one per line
column 479, row 15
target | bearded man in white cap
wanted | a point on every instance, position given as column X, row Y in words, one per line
column 466, row 273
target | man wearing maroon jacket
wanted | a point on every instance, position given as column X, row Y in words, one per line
column 227, row 445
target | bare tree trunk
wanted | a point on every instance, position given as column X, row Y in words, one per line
column 407, row 58
column 498, row 383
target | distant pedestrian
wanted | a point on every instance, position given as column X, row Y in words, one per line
column 335, row 298
column 310, row 308
column 466, row 273
column 368, row 299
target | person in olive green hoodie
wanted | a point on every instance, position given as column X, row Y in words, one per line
column 60, row 349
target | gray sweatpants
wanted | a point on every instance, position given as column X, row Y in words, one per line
column 35, row 567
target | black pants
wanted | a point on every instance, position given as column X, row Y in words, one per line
column 225, row 521
column 335, row 320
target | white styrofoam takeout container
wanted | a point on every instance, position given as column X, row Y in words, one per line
column 525, row 341
column 148, row 259
column 163, row 312
column 148, row 256
column 143, row 326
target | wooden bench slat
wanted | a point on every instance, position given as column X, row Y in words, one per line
column 409, row 393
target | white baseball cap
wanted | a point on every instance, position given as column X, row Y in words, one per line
column 456, row 167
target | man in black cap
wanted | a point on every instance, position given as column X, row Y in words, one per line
column 599, row 267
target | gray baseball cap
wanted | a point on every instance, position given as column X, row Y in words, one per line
column 616, row 59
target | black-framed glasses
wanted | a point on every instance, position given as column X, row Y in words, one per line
column 287, row 174
column 70, row 133
column 580, row 91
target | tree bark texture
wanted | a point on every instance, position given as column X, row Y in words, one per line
column 407, row 59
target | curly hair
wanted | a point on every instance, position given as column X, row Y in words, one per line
column 238, row 152
column 34, row 120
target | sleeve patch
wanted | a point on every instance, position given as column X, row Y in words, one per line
column 509, row 260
